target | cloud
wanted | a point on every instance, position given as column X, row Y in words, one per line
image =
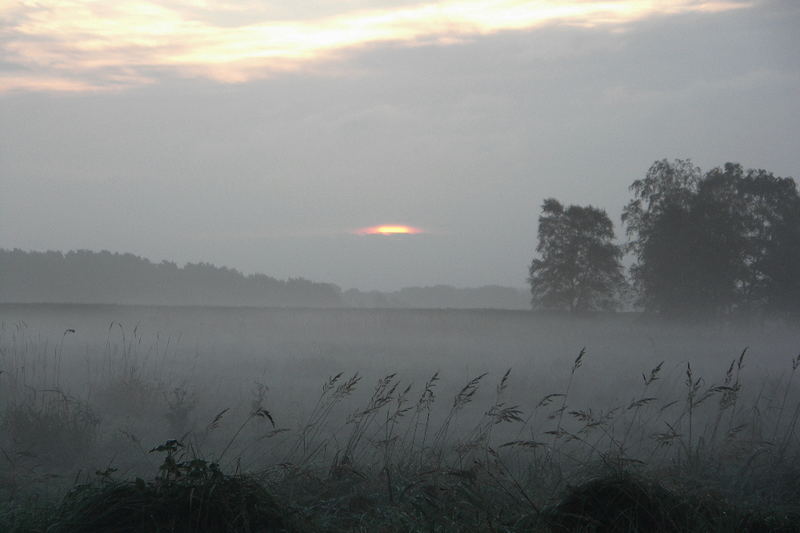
column 77, row 45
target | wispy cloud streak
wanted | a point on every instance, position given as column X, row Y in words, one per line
column 78, row 45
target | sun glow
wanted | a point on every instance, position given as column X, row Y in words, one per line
column 68, row 45
column 389, row 229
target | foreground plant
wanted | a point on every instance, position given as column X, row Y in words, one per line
column 189, row 494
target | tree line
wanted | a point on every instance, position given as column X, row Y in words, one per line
column 84, row 276
column 721, row 243
column 103, row 277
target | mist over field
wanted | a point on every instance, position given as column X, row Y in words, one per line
column 370, row 266
column 91, row 386
column 218, row 355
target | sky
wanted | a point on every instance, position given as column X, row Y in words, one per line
column 266, row 136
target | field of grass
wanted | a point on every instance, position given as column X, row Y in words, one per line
column 192, row 419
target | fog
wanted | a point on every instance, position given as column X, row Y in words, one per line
column 126, row 364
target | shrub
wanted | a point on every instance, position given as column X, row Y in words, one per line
column 188, row 495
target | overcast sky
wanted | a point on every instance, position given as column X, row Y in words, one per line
column 263, row 135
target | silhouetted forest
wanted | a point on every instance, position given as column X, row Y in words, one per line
column 103, row 277
column 441, row 296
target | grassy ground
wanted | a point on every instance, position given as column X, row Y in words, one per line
column 201, row 498
column 137, row 446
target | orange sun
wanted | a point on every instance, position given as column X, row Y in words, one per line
column 389, row 229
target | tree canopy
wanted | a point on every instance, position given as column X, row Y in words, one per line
column 721, row 243
column 727, row 242
column 578, row 268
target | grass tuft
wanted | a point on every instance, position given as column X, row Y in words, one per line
column 188, row 495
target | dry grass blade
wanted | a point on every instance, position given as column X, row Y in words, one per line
column 466, row 393
column 501, row 413
column 578, row 360
column 548, row 399
column 331, row 383
column 653, row 374
column 217, row 419
column 523, row 444
column 503, row 382
column 263, row 413
column 427, row 397
column 641, row 402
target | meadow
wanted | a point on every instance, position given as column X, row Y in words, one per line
column 251, row 419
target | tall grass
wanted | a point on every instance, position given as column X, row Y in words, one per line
column 695, row 453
